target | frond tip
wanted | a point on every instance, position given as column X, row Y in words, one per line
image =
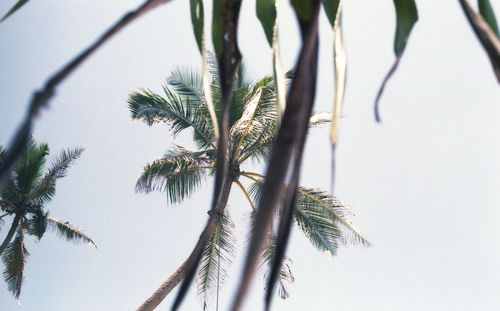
column 15, row 258
column 217, row 256
column 70, row 232
column 326, row 221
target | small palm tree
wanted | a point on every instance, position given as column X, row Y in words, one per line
column 253, row 123
column 27, row 192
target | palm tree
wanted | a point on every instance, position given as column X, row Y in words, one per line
column 253, row 123
column 28, row 190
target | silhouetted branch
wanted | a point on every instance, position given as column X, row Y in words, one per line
column 41, row 98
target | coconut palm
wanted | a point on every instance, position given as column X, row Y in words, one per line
column 28, row 191
column 253, row 124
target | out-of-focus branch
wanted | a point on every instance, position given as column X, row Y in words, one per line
column 42, row 97
column 485, row 34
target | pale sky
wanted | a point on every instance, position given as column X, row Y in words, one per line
column 424, row 183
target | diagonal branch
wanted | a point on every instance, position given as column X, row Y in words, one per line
column 42, row 97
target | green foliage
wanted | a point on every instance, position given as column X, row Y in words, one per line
column 178, row 173
column 217, row 257
column 325, row 220
column 197, row 19
column 486, row 10
column 28, row 190
column 16, row 7
column 266, row 12
column 406, row 17
column 331, row 9
column 15, row 258
column 70, row 232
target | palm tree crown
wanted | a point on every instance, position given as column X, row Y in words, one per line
column 28, row 190
column 253, row 126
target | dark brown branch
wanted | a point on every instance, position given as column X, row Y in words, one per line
column 41, row 98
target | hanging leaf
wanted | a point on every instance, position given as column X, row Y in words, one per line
column 486, row 11
column 266, row 12
column 331, row 9
column 16, row 7
column 486, row 36
column 406, row 17
column 340, row 70
column 197, row 19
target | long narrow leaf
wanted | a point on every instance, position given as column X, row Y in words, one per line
column 486, row 11
column 406, row 17
column 16, row 7
column 290, row 141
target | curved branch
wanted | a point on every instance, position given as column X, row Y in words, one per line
column 41, row 98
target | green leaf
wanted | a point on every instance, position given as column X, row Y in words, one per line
column 197, row 19
column 217, row 27
column 179, row 173
column 406, row 17
column 303, row 9
column 16, row 7
column 217, row 257
column 14, row 259
column 486, row 10
column 266, row 12
column 331, row 9
column 70, row 232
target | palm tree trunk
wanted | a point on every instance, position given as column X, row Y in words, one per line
column 152, row 302
column 12, row 230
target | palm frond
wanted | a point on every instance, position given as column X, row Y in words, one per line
column 188, row 84
column 30, row 166
column 285, row 277
column 37, row 224
column 70, row 232
column 15, row 258
column 179, row 173
column 179, row 114
column 326, row 220
column 217, row 257
column 257, row 142
column 44, row 190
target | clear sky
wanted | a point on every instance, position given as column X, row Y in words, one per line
column 424, row 183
